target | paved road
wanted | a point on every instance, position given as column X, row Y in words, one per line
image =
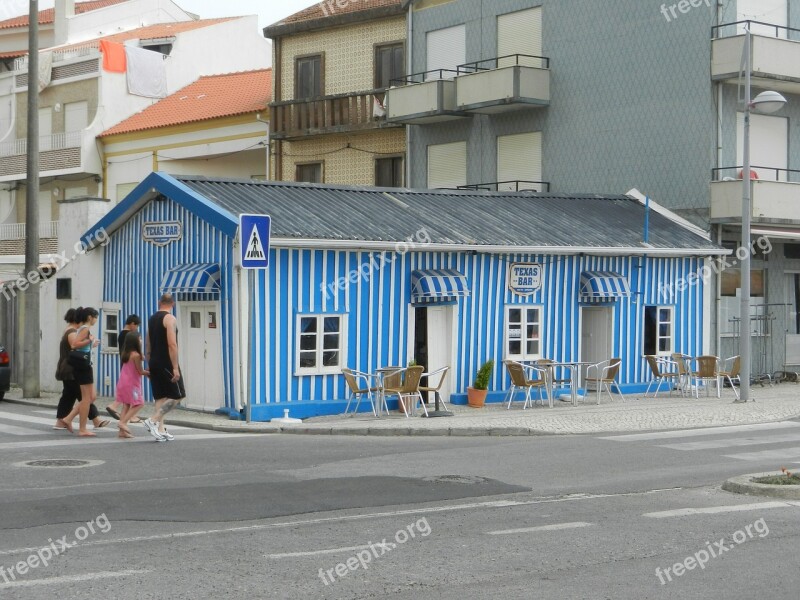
column 261, row 516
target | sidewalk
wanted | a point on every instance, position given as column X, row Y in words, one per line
column 635, row 414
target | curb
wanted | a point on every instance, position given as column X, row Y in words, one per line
column 743, row 484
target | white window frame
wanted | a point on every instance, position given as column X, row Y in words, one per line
column 658, row 337
column 318, row 369
column 110, row 309
column 523, row 326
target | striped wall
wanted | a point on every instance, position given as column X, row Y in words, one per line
column 375, row 302
column 133, row 270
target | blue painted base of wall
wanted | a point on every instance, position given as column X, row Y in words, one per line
column 304, row 410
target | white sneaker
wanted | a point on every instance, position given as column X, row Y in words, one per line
column 167, row 435
column 153, row 429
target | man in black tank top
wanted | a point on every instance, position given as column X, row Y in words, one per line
column 165, row 375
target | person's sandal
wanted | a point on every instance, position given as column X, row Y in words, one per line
column 102, row 423
column 113, row 413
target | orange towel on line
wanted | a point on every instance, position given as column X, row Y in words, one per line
column 113, row 56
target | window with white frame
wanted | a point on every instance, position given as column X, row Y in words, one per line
column 320, row 343
column 111, row 327
column 523, row 332
column 658, row 330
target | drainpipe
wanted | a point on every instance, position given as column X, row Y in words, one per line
column 409, row 68
column 64, row 9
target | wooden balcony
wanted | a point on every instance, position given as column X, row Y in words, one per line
column 340, row 113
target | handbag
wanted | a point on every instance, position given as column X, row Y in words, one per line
column 79, row 357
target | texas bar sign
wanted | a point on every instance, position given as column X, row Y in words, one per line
column 524, row 278
column 161, row 233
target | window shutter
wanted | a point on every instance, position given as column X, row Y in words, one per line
column 447, row 165
column 446, row 50
column 76, row 116
column 519, row 158
column 520, row 33
column 774, row 12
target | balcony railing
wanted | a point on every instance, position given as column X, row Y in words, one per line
column 16, row 231
column 421, row 98
column 328, row 114
column 56, row 141
column 509, row 186
column 21, row 63
column 737, row 28
column 512, row 60
column 756, row 173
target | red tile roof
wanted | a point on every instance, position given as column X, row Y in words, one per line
column 329, row 8
column 150, row 32
column 209, row 97
column 48, row 15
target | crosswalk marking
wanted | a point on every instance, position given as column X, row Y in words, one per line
column 732, row 442
column 713, row 510
column 143, row 438
column 657, row 435
column 12, row 430
column 783, row 454
column 7, row 416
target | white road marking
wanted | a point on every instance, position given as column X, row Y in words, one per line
column 553, row 527
column 8, row 416
column 783, row 454
column 316, row 552
column 345, row 518
column 72, row 578
column 12, row 430
column 733, row 442
column 713, row 510
column 143, row 437
column 657, row 435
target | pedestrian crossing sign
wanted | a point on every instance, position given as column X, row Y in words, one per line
column 254, row 234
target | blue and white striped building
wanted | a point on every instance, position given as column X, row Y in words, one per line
column 370, row 277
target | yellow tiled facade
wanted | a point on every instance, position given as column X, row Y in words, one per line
column 348, row 50
column 354, row 165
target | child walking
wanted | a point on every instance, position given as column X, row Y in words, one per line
column 129, row 386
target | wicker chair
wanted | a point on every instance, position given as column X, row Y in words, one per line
column 520, row 382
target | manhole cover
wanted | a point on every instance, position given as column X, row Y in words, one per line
column 60, row 463
column 456, row 479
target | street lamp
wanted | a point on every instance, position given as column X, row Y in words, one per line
column 765, row 102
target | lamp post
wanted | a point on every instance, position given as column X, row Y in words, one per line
column 765, row 102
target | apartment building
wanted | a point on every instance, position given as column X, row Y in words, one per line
column 333, row 63
column 604, row 97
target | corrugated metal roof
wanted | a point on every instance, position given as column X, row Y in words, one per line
column 524, row 219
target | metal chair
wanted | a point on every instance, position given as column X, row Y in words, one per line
column 730, row 374
column 707, row 369
column 684, row 374
column 606, row 373
column 408, row 388
column 660, row 375
column 547, row 365
column 352, row 378
column 435, row 388
column 519, row 381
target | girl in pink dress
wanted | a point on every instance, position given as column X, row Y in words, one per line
column 129, row 386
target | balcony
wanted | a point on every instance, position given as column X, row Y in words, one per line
column 775, row 196
column 423, row 98
column 56, row 152
column 12, row 238
column 503, row 84
column 340, row 113
column 509, row 186
column 775, row 52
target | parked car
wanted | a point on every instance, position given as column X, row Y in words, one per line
column 5, row 372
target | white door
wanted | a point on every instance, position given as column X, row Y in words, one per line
column 440, row 345
column 596, row 334
column 45, row 129
column 769, row 145
column 446, row 49
column 773, row 12
column 76, row 116
column 200, row 346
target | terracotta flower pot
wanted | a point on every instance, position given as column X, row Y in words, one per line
column 476, row 398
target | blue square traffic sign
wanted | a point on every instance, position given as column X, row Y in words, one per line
column 254, row 232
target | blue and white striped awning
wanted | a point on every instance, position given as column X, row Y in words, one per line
column 603, row 286
column 196, row 278
column 436, row 285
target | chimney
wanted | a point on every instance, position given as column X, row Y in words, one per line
column 64, row 9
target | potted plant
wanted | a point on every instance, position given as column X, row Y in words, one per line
column 476, row 395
